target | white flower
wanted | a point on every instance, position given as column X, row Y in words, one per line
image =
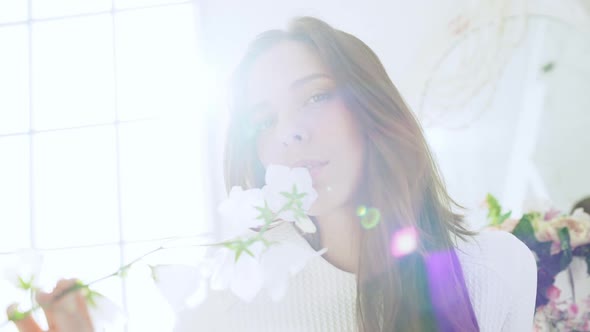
column 305, row 225
column 243, row 277
column 104, row 313
column 239, row 212
column 24, row 270
column 280, row 262
column 282, row 179
column 270, row 268
column 245, row 267
column 182, row 286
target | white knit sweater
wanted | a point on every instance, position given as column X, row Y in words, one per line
column 499, row 270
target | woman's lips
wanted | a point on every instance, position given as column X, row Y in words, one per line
column 315, row 167
column 316, row 171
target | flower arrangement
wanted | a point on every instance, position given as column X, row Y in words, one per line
column 556, row 240
column 242, row 260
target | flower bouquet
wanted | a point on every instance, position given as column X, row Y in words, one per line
column 558, row 241
column 241, row 259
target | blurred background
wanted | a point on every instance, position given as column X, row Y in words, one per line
column 112, row 116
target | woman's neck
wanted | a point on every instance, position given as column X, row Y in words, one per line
column 340, row 233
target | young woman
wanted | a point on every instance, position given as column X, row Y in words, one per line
column 317, row 97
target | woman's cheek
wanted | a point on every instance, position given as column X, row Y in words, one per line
column 264, row 150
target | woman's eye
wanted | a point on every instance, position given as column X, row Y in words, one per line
column 318, row 98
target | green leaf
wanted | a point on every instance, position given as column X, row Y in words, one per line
column 564, row 241
column 241, row 247
column 238, row 254
column 268, row 243
column 299, row 214
column 17, row 315
column 296, row 194
column 231, row 245
column 504, row 217
column 524, row 231
column 124, row 271
column 294, row 197
column 495, row 216
column 25, row 285
column 266, row 213
column 91, row 296
column 548, row 67
column 154, row 273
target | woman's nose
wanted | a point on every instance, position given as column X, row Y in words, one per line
column 293, row 134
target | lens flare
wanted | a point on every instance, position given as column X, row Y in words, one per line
column 361, row 211
column 370, row 217
column 404, row 241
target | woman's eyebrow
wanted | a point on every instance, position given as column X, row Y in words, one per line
column 264, row 105
column 306, row 79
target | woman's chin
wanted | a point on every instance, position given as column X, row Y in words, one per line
column 315, row 210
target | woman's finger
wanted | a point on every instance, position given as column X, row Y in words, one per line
column 68, row 311
column 26, row 324
column 45, row 301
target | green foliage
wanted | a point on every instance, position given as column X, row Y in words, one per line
column 548, row 67
column 549, row 263
column 17, row 315
column 294, row 203
column 566, row 248
column 495, row 215
column 91, row 297
column 265, row 212
column 294, row 198
column 524, row 230
column 124, row 271
column 239, row 246
column 25, row 284
column 154, row 273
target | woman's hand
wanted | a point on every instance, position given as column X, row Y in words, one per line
column 64, row 312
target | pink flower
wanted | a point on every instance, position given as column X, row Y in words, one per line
column 551, row 214
column 578, row 225
column 579, row 230
column 553, row 293
column 573, row 309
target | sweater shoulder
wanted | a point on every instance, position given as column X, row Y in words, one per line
column 500, row 252
column 499, row 272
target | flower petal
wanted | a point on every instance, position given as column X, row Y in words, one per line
column 23, row 269
column 179, row 283
column 105, row 314
column 305, row 225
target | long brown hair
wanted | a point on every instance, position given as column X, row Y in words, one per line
column 401, row 181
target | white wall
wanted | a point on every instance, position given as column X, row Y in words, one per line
column 498, row 148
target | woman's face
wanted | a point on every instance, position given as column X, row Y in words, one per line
column 301, row 121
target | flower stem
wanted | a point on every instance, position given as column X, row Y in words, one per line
column 570, row 275
column 80, row 285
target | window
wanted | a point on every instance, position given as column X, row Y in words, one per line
column 100, row 140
